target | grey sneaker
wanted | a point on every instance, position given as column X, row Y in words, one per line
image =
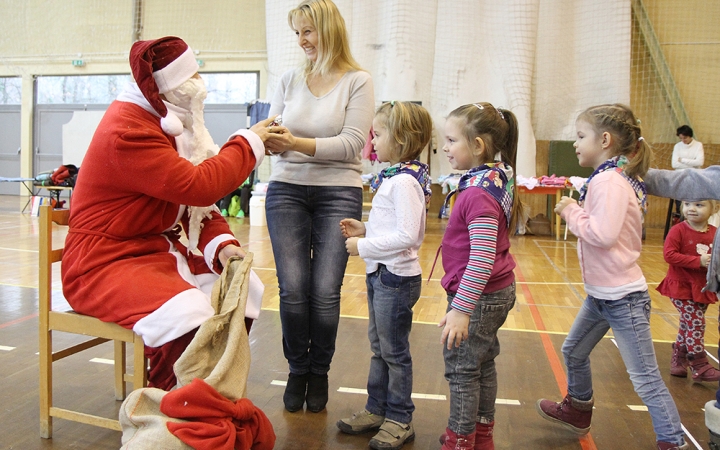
column 360, row 422
column 392, row 435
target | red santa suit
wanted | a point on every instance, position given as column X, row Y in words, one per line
column 123, row 260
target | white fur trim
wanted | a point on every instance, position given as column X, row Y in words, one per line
column 179, row 315
column 255, row 295
column 211, row 249
column 712, row 416
column 177, row 72
column 171, row 124
column 255, row 142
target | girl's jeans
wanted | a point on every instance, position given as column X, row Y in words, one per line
column 629, row 319
column 390, row 302
column 310, row 258
column 470, row 368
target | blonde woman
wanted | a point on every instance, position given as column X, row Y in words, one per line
column 327, row 106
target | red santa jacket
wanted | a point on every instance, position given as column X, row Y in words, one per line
column 122, row 262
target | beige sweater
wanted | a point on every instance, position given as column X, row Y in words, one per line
column 339, row 121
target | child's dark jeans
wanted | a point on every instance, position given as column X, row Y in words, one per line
column 470, row 368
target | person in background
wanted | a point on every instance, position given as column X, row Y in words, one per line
column 151, row 174
column 327, row 107
column 687, row 252
column 479, row 279
column 607, row 219
column 694, row 184
column 392, row 237
column 688, row 153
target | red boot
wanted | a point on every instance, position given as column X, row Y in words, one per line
column 571, row 413
column 701, row 368
column 484, row 436
column 679, row 362
column 662, row 445
column 458, row 441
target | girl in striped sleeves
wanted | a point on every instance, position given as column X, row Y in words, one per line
column 479, row 279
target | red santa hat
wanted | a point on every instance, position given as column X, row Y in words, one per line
column 159, row 66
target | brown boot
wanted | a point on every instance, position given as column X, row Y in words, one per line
column 458, row 441
column 701, row 368
column 571, row 413
column 678, row 362
column 484, row 436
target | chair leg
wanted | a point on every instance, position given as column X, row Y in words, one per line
column 45, row 388
column 139, row 364
column 120, row 369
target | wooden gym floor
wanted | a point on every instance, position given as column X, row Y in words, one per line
column 530, row 365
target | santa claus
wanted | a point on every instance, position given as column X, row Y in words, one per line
column 151, row 173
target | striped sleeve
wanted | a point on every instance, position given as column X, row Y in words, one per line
column 483, row 242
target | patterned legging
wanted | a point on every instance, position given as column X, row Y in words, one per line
column 692, row 325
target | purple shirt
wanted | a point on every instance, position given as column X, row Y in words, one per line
column 471, row 203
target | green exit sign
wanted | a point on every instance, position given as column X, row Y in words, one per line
column 78, row 62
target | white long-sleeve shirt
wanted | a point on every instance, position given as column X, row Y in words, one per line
column 395, row 228
column 688, row 156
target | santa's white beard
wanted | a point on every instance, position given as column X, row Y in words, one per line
column 191, row 96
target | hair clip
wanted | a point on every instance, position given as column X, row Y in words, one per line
column 641, row 139
column 392, row 103
column 502, row 116
column 480, row 107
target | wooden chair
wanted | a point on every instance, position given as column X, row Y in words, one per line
column 71, row 322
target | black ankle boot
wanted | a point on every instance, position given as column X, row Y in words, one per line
column 294, row 396
column 317, row 392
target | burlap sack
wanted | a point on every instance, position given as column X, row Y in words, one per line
column 219, row 354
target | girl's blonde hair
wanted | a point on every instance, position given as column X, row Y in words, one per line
column 498, row 129
column 410, row 126
column 333, row 47
column 619, row 120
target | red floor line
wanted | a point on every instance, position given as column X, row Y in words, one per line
column 586, row 442
column 21, row 319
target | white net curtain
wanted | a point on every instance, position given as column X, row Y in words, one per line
column 545, row 60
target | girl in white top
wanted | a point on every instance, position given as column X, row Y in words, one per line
column 392, row 237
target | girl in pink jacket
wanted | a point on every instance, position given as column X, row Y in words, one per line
column 607, row 220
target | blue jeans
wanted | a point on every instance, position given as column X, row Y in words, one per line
column 310, row 258
column 629, row 319
column 470, row 368
column 390, row 302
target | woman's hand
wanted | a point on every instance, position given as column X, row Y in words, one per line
column 351, row 246
column 352, row 228
column 262, row 130
column 563, row 203
column 228, row 251
column 280, row 140
column 456, row 328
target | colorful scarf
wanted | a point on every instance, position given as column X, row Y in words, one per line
column 496, row 179
column 416, row 169
column 617, row 163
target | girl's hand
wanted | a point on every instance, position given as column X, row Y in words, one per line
column 228, row 251
column 352, row 228
column 456, row 328
column 704, row 260
column 280, row 139
column 563, row 203
column 351, row 246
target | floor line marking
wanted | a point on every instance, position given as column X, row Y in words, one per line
column 711, row 356
column 692, row 438
column 103, row 361
column 586, row 442
column 18, row 320
column 5, row 348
